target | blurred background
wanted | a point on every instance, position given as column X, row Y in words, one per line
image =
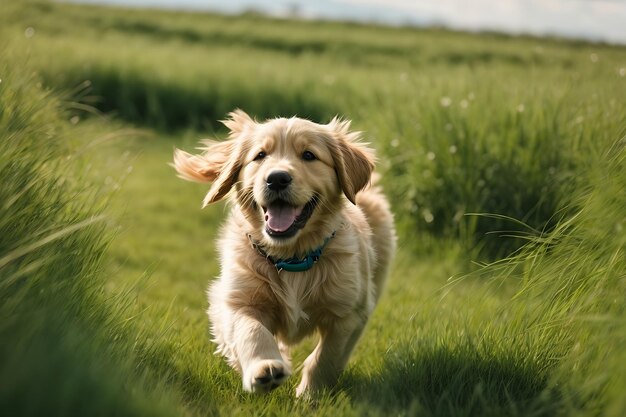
column 499, row 129
column 600, row 20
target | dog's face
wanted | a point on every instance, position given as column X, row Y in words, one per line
column 289, row 171
column 289, row 175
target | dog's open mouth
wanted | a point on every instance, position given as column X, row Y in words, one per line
column 283, row 219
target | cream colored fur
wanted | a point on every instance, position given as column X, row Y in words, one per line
column 256, row 311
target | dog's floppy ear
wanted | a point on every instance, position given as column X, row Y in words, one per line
column 227, row 176
column 205, row 167
column 354, row 161
column 220, row 162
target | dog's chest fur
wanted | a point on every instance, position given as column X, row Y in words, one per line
column 294, row 304
column 306, row 300
column 293, row 295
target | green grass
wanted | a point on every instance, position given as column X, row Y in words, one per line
column 57, row 333
column 105, row 255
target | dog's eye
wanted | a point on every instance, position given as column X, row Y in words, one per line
column 260, row 156
column 308, row 156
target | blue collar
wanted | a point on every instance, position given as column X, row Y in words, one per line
column 293, row 264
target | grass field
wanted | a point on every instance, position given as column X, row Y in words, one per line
column 503, row 158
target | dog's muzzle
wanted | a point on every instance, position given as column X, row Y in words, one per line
column 283, row 219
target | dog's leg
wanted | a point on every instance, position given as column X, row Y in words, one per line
column 324, row 365
column 262, row 364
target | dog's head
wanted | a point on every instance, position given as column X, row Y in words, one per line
column 288, row 175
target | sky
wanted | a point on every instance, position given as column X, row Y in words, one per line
column 598, row 20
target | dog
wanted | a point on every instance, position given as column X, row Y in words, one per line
column 307, row 245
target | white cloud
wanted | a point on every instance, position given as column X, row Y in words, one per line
column 598, row 19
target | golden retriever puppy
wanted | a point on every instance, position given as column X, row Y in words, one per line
column 306, row 247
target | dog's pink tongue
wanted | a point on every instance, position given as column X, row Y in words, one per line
column 280, row 217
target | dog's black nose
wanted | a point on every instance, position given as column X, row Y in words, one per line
column 278, row 180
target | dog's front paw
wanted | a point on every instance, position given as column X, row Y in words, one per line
column 265, row 375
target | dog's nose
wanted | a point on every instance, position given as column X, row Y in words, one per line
column 278, row 180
